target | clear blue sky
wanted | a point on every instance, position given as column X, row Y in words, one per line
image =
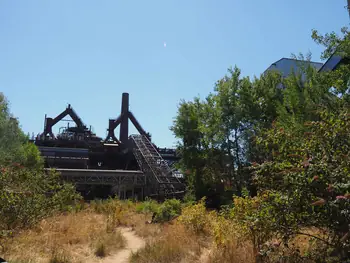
column 87, row 52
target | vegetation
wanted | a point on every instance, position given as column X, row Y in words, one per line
column 271, row 155
column 281, row 147
column 27, row 194
column 77, row 236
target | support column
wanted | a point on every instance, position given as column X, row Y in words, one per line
column 124, row 125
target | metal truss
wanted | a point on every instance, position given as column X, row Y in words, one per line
column 103, row 177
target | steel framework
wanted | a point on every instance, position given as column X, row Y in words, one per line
column 133, row 163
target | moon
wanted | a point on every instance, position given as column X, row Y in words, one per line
column 164, row 44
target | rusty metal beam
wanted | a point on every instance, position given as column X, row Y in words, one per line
column 124, row 124
column 137, row 124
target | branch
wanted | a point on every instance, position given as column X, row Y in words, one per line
column 324, row 241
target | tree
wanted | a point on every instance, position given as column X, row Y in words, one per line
column 336, row 46
column 14, row 145
column 304, row 179
column 27, row 193
column 216, row 133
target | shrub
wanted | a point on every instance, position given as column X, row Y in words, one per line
column 28, row 195
column 194, row 217
column 148, row 206
column 308, row 182
column 167, row 211
column 189, row 198
column 108, row 206
column 59, row 257
column 100, row 250
column 254, row 220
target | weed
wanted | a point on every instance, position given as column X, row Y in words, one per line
column 167, row 211
column 59, row 257
column 194, row 217
column 147, row 207
column 174, row 245
column 101, row 250
column 76, row 233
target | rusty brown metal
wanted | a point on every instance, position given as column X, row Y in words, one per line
column 123, row 121
column 124, row 124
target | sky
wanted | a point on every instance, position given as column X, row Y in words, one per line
column 88, row 52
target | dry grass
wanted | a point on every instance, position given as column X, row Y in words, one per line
column 91, row 234
column 66, row 238
column 237, row 251
column 143, row 229
column 175, row 244
column 126, row 216
column 233, row 252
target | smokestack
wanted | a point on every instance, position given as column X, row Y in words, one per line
column 124, row 124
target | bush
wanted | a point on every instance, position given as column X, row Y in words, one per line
column 308, row 183
column 100, row 250
column 254, row 219
column 194, row 217
column 27, row 195
column 108, row 206
column 189, row 198
column 59, row 257
column 167, row 211
column 147, row 207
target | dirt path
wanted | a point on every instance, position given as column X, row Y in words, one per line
column 133, row 243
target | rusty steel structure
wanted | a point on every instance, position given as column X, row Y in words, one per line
column 129, row 167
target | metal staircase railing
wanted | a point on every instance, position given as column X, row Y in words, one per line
column 146, row 154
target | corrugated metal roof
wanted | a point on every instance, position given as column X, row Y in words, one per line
column 288, row 65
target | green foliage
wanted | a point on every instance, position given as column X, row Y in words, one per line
column 310, row 178
column 336, row 46
column 32, row 156
column 304, row 177
column 147, row 207
column 189, row 198
column 108, row 206
column 221, row 135
column 14, row 145
column 216, row 133
column 285, row 138
column 27, row 193
column 167, row 211
column 254, row 219
column 194, row 217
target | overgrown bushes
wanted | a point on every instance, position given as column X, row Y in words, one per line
column 27, row 193
column 163, row 212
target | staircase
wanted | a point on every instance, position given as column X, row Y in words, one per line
column 160, row 177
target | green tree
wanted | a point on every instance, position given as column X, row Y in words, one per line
column 216, row 133
column 336, row 46
column 305, row 176
column 27, row 193
column 308, row 180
